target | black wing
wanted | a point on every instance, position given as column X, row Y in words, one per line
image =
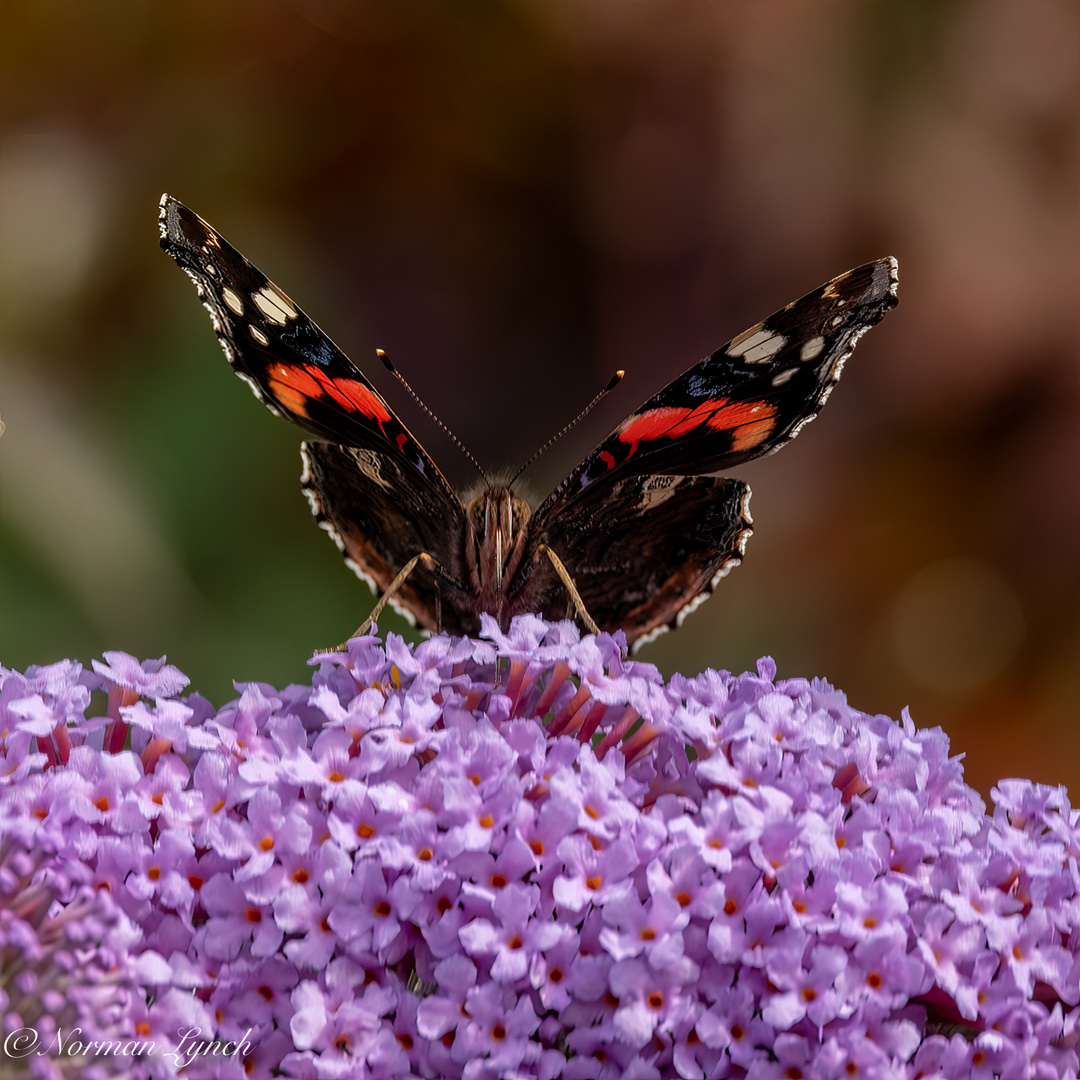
column 644, row 533
column 380, row 494
column 380, row 519
column 289, row 363
column 749, row 397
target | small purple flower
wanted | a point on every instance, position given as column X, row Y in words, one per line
column 167, row 723
column 515, row 937
column 495, row 857
column 235, row 923
column 151, row 678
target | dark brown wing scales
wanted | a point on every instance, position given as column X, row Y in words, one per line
column 645, row 550
column 380, row 518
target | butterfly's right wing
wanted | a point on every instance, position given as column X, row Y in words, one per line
column 644, row 551
column 642, row 529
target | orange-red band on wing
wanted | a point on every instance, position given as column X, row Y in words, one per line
column 652, row 424
column 750, row 423
column 295, row 387
column 292, row 387
column 742, row 412
column 755, row 418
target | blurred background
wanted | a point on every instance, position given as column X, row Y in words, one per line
column 514, row 198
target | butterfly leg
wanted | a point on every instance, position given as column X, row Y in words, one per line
column 571, row 588
column 393, row 587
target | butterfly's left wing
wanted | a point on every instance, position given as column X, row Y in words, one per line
column 370, row 483
column 291, row 365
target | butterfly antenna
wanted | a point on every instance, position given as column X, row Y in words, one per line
column 416, row 397
column 614, row 381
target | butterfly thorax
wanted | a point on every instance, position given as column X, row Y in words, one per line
column 496, row 530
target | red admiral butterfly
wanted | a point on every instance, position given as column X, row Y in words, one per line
column 633, row 539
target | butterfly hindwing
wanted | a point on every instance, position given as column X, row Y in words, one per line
column 380, row 517
column 644, row 550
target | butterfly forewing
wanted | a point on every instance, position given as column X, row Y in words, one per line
column 291, row 365
column 750, row 396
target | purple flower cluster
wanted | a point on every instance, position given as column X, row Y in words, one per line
column 525, row 856
column 62, row 965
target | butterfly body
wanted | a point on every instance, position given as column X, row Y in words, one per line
column 496, row 545
column 636, row 536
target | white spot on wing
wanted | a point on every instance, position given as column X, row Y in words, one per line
column 694, row 604
column 274, row 304
column 733, row 348
column 757, row 347
column 744, row 512
column 338, row 541
column 729, row 564
column 313, row 501
column 232, row 301
column 802, row 423
column 657, row 490
column 766, row 350
column 258, row 335
column 783, row 377
column 652, row 635
column 894, row 275
column 811, row 349
column 306, row 474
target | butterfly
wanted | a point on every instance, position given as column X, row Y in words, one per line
column 634, row 538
